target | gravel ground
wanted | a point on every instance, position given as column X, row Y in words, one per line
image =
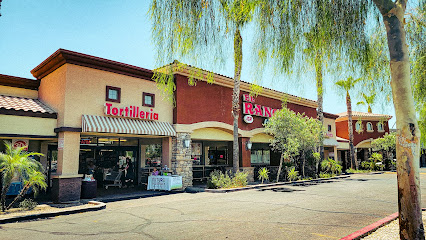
column 388, row 232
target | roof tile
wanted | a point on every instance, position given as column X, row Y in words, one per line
column 24, row 104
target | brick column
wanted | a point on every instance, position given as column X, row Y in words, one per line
column 181, row 158
column 245, row 158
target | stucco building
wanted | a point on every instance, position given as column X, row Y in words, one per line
column 82, row 110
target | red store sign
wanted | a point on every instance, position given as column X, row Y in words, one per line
column 250, row 108
column 130, row 112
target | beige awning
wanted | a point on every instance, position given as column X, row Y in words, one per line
column 103, row 124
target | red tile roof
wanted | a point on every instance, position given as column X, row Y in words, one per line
column 364, row 114
column 24, row 105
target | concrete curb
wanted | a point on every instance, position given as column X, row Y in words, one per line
column 260, row 186
column 96, row 206
column 135, row 196
column 372, row 227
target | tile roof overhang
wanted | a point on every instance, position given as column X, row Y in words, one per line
column 19, row 106
column 12, row 81
column 188, row 70
column 62, row 56
column 330, row 115
column 363, row 116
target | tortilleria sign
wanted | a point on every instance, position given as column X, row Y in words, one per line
column 250, row 109
column 130, row 112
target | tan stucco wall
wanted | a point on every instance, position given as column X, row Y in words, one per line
column 330, row 121
column 27, row 125
column 261, row 138
column 211, row 134
column 18, row 92
column 343, row 145
column 85, row 94
column 52, row 91
column 69, row 155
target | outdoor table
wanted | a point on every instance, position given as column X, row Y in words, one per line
column 166, row 183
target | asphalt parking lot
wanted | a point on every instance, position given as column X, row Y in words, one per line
column 319, row 211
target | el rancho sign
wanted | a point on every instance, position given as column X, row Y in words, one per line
column 130, row 112
column 250, row 109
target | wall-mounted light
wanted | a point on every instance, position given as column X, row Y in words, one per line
column 249, row 144
column 186, row 143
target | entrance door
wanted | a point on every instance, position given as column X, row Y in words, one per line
column 107, row 158
column 52, row 163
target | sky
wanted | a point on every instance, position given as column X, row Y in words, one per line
column 30, row 31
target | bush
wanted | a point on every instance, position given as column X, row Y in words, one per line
column 375, row 162
column 351, row 170
column 263, row 174
column 28, row 204
column 331, row 166
column 292, row 174
column 326, row 175
column 218, row 179
column 240, row 179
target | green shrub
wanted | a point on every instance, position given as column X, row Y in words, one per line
column 375, row 162
column 28, row 204
column 350, row 170
column 240, row 179
column 326, row 175
column 292, row 174
column 263, row 174
column 331, row 166
column 218, row 179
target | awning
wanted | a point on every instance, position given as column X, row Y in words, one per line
column 124, row 125
column 330, row 142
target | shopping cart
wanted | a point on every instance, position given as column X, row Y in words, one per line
column 112, row 176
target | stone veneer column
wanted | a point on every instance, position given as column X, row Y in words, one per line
column 181, row 158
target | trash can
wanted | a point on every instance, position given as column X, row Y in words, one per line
column 88, row 189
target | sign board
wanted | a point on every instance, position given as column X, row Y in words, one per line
column 18, row 143
column 60, row 143
column 130, row 112
column 251, row 109
column 248, row 119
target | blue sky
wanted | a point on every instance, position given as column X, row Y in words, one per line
column 30, row 31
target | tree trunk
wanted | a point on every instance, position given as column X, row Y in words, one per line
column 320, row 93
column 408, row 133
column 20, row 195
column 238, row 57
column 6, row 181
column 280, row 167
column 303, row 163
column 351, row 132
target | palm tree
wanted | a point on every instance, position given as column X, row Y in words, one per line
column 347, row 85
column 17, row 162
column 188, row 28
column 368, row 100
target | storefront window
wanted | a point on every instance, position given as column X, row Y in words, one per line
column 196, row 151
column 260, row 154
column 153, row 155
column 105, row 141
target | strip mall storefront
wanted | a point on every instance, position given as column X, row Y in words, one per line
column 93, row 115
column 202, row 116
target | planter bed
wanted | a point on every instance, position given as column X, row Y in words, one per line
column 258, row 186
